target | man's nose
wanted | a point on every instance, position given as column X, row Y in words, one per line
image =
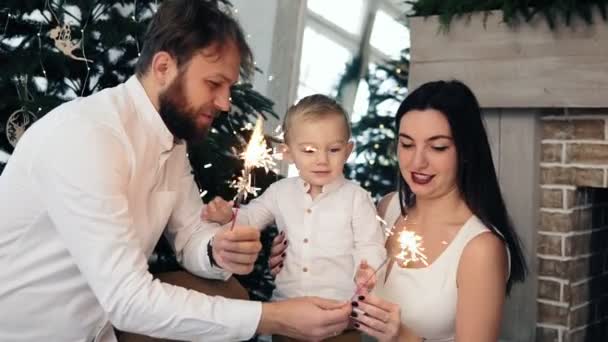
column 222, row 101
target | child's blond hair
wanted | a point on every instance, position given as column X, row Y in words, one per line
column 313, row 107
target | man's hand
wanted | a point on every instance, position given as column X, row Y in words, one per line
column 277, row 253
column 235, row 250
column 305, row 318
column 365, row 279
column 218, row 210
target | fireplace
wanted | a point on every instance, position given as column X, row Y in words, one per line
column 544, row 95
column 572, row 243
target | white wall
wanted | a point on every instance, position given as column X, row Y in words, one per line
column 257, row 18
column 274, row 29
column 514, row 139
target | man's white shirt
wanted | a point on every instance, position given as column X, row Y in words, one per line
column 83, row 201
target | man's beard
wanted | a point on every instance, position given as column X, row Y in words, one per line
column 179, row 119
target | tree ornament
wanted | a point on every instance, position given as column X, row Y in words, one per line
column 17, row 123
column 62, row 35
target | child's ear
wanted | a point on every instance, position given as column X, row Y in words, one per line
column 349, row 148
column 286, row 153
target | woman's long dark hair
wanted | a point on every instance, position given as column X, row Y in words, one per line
column 476, row 175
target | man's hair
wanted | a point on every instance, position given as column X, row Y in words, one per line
column 183, row 27
column 314, row 107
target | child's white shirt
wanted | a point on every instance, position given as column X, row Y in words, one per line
column 328, row 236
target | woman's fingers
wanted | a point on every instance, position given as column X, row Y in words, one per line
column 276, row 270
column 277, row 253
column 380, row 309
column 376, row 317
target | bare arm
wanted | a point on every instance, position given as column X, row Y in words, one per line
column 383, row 204
column 481, row 282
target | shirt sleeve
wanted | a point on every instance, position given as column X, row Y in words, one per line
column 367, row 231
column 84, row 187
column 259, row 213
column 187, row 233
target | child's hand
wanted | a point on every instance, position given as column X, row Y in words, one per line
column 365, row 278
column 218, row 211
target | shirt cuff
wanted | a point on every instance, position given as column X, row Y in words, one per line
column 211, row 271
column 246, row 319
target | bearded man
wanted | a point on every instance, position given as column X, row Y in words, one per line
column 92, row 185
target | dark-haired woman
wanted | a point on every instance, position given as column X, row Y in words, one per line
column 447, row 193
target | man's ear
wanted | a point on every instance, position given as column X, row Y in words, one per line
column 163, row 68
column 287, row 156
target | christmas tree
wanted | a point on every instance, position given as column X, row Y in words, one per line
column 375, row 164
column 61, row 49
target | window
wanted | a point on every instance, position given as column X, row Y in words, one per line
column 388, row 38
column 322, row 63
column 389, row 35
column 335, row 33
column 346, row 14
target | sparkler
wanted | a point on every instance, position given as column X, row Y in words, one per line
column 411, row 250
column 410, row 244
column 256, row 155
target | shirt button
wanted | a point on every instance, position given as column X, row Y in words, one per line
column 305, row 269
column 309, row 210
column 305, row 240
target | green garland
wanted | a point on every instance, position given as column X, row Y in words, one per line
column 513, row 10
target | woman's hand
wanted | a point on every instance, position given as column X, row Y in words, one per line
column 277, row 253
column 376, row 317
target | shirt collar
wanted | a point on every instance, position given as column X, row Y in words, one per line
column 144, row 106
column 327, row 188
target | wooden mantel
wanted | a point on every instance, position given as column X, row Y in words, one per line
column 515, row 67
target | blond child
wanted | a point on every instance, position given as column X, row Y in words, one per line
column 330, row 221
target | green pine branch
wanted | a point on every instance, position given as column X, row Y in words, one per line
column 513, row 10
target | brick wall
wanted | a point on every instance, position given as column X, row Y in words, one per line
column 572, row 249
